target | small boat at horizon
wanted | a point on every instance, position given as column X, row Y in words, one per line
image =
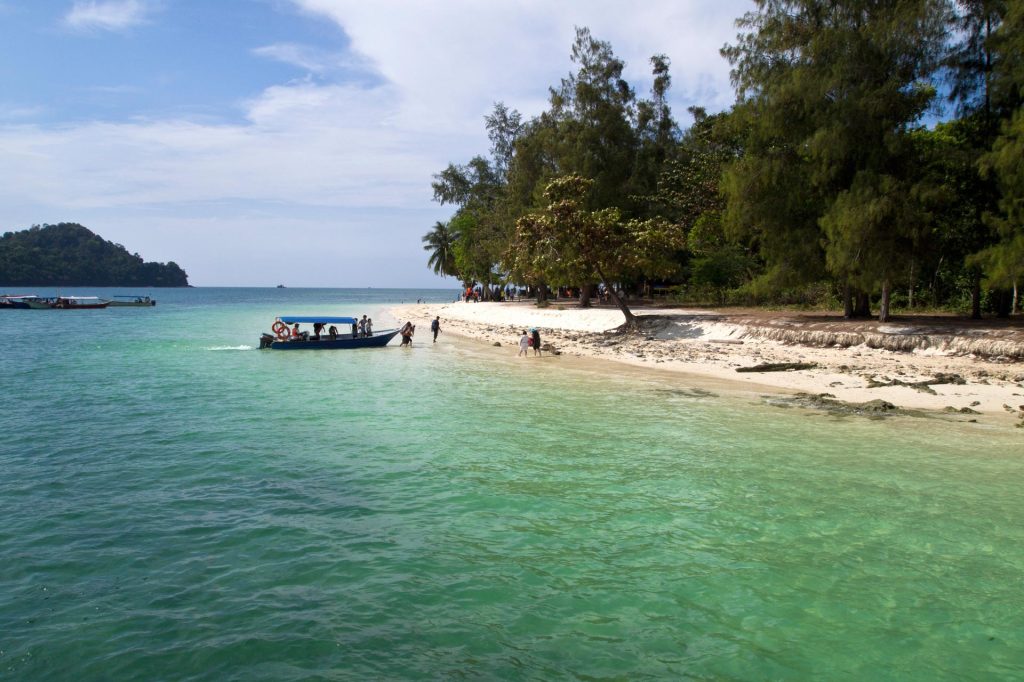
column 282, row 338
column 132, row 301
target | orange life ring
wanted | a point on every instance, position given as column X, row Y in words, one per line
column 281, row 329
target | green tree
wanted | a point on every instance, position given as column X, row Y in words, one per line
column 832, row 92
column 68, row 254
column 440, row 243
column 566, row 241
column 592, row 110
column 1004, row 261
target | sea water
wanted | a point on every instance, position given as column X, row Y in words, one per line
column 175, row 504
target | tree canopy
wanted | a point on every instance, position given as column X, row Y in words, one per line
column 68, row 254
column 821, row 184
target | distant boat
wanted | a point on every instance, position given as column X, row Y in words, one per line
column 280, row 286
column 282, row 339
column 19, row 301
column 132, row 301
column 78, row 303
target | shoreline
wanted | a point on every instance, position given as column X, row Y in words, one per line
column 933, row 368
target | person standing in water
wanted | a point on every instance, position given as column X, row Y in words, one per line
column 524, row 344
column 536, row 341
column 407, row 331
column 435, row 327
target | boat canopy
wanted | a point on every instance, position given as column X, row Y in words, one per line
column 307, row 319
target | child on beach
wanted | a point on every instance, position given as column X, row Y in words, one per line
column 524, row 344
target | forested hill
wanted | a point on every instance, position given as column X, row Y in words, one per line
column 69, row 254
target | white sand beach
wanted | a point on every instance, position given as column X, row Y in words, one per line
column 979, row 370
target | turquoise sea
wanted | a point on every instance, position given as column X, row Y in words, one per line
column 175, row 505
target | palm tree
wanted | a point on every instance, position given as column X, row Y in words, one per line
column 440, row 242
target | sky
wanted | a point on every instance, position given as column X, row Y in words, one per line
column 264, row 142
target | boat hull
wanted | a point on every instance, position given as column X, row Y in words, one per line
column 345, row 342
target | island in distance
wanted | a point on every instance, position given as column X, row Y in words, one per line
column 68, row 254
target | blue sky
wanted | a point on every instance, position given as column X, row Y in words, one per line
column 263, row 141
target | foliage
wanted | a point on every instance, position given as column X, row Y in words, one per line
column 440, row 243
column 68, row 254
column 819, row 184
column 1004, row 260
column 831, row 92
column 568, row 242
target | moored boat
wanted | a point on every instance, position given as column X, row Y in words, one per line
column 79, row 303
column 37, row 303
column 126, row 301
column 283, row 339
column 18, row 301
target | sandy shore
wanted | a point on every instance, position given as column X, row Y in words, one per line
column 713, row 345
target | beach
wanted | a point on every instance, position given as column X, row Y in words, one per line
column 968, row 372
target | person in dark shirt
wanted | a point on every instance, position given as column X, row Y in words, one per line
column 435, row 327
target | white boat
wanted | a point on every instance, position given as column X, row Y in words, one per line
column 132, row 301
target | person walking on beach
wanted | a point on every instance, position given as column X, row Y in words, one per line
column 435, row 327
column 524, row 344
column 535, row 337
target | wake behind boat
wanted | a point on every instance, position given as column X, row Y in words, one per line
column 326, row 334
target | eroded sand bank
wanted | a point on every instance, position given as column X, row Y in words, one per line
column 976, row 372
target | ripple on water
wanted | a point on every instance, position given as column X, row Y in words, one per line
column 174, row 512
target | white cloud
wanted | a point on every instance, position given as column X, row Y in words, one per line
column 302, row 144
column 332, row 147
column 452, row 59
column 108, row 15
column 313, row 60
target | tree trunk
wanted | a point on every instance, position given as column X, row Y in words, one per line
column 976, row 296
column 586, row 291
column 910, row 288
column 542, row 292
column 1015, row 306
column 883, row 308
column 1003, row 303
column 863, row 307
column 847, row 301
column 630, row 317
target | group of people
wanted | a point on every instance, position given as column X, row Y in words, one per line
column 476, row 294
column 318, row 328
column 364, row 327
column 408, row 330
column 527, row 341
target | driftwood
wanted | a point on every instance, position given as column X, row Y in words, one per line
column 778, row 367
column 735, row 342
